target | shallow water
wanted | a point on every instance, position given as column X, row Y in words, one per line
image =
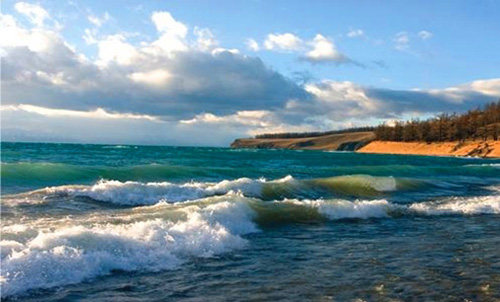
column 133, row 223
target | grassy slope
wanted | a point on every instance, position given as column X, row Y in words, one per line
column 347, row 141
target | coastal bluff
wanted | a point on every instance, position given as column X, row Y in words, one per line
column 365, row 142
column 336, row 142
column 488, row 148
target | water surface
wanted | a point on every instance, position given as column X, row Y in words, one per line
column 139, row 223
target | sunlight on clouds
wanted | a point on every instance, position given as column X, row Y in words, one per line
column 220, row 50
column 99, row 113
column 181, row 82
column 165, row 23
column 286, row 41
column 458, row 93
column 115, row 49
column 35, row 13
column 155, row 78
column 14, row 36
column 260, row 118
column 324, row 50
column 252, row 45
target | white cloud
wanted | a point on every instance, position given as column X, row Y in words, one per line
column 459, row 93
column 354, row 33
column 260, row 118
column 402, row 41
column 98, row 113
column 220, row 50
column 90, row 36
column 157, row 78
column 324, row 50
column 252, row 45
column 114, row 49
column 98, row 21
column 248, row 122
column 40, row 68
column 286, row 42
column 208, row 93
column 343, row 100
column 166, row 24
column 35, row 13
column 424, row 35
column 206, row 40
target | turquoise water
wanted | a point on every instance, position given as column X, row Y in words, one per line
column 141, row 223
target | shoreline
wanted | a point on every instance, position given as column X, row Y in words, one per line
column 483, row 149
column 364, row 142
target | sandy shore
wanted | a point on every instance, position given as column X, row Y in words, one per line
column 468, row 148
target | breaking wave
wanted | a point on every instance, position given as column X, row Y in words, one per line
column 132, row 193
column 165, row 235
column 69, row 255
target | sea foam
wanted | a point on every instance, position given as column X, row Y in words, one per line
column 133, row 193
column 95, row 245
column 73, row 254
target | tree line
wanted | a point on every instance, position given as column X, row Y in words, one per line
column 479, row 124
column 313, row 134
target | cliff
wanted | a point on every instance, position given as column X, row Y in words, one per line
column 488, row 148
column 339, row 142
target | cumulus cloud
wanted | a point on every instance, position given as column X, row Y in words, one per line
column 347, row 99
column 182, row 86
column 165, row 23
column 324, row 50
column 320, row 49
column 286, row 42
column 252, row 45
column 41, row 69
column 35, row 13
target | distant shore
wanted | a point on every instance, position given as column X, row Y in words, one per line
column 488, row 148
column 364, row 142
column 340, row 142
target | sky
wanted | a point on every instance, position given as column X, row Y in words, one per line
column 202, row 73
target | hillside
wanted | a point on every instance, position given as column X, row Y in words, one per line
column 340, row 142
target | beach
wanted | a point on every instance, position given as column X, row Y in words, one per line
column 468, row 148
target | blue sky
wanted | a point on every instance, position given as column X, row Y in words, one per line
column 169, row 72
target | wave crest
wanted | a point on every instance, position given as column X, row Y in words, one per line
column 71, row 255
column 133, row 193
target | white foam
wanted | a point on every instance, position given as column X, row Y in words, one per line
column 495, row 165
column 365, row 209
column 460, row 205
column 358, row 209
column 138, row 193
column 69, row 255
column 342, row 209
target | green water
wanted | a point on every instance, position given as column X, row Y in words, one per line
column 108, row 222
